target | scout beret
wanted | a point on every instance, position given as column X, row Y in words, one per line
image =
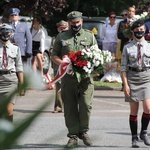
column 5, row 27
column 14, row 11
column 74, row 15
column 62, row 23
column 137, row 23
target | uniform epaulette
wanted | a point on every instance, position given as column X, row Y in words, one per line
column 128, row 42
column 88, row 30
column 15, row 44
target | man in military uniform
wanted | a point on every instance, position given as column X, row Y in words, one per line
column 22, row 36
column 10, row 65
column 58, row 106
column 76, row 96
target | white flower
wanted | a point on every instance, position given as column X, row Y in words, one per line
column 97, row 63
column 145, row 13
column 136, row 17
column 89, row 64
column 87, row 70
column 83, row 51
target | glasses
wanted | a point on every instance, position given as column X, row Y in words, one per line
column 112, row 17
column 124, row 15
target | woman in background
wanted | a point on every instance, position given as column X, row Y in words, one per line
column 109, row 34
column 38, row 37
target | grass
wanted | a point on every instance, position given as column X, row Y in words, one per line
column 108, row 84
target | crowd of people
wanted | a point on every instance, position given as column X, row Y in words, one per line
column 72, row 96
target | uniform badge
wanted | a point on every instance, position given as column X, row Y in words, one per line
column 84, row 42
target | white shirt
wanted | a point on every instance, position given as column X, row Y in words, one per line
column 109, row 33
column 39, row 36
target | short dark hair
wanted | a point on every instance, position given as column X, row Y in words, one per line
column 112, row 13
column 38, row 19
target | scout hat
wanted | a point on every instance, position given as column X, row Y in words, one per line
column 62, row 23
column 137, row 23
column 74, row 15
column 14, row 11
column 5, row 27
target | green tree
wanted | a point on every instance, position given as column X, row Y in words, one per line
column 52, row 11
column 43, row 8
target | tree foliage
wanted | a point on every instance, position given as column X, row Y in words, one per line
column 52, row 11
column 43, row 8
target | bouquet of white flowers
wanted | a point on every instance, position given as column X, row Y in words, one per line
column 89, row 60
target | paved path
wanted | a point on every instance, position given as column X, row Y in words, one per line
column 109, row 128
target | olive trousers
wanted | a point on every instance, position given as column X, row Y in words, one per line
column 77, row 99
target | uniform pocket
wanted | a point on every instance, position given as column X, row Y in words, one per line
column 132, row 58
column 146, row 59
column 11, row 59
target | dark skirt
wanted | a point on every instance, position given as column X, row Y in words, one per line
column 139, row 83
column 35, row 48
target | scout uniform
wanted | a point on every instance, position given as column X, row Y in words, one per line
column 58, row 106
column 12, row 65
column 77, row 97
column 135, row 68
column 140, row 88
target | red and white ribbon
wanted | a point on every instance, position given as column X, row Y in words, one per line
column 63, row 69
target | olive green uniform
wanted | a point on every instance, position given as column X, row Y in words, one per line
column 77, row 97
column 58, row 99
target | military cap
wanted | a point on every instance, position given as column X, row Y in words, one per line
column 14, row 11
column 137, row 23
column 74, row 15
column 5, row 27
column 62, row 23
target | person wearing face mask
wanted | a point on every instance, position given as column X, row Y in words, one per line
column 76, row 96
column 62, row 26
column 135, row 72
column 11, row 69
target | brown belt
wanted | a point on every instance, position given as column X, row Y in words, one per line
column 139, row 70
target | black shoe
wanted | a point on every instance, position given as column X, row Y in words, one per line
column 135, row 142
column 72, row 143
column 145, row 137
column 86, row 139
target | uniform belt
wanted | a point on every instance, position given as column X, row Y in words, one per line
column 2, row 72
column 139, row 70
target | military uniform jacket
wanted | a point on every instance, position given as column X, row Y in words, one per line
column 22, row 37
column 130, row 55
column 13, row 56
column 64, row 42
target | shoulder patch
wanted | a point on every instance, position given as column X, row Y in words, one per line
column 127, row 42
column 15, row 44
column 88, row 30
